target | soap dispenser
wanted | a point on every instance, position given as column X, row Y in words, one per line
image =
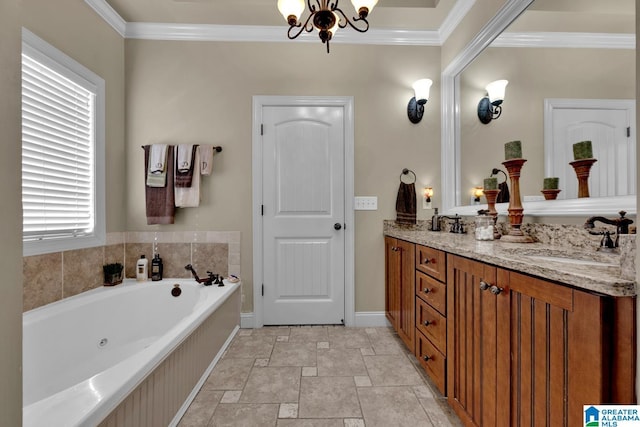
column 156, row 268
column 435, row 221
column 141, row 269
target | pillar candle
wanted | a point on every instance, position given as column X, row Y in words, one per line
column 491, row 183
column 582, row 150
column 513, row 150
column 550, row 184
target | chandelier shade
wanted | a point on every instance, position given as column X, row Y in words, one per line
column 325, row 16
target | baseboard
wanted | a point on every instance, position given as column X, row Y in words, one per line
column 362, row 319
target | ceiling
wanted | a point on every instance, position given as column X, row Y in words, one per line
column 543, row 15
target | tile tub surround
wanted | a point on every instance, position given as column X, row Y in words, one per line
column 346, row 382
column 607, row 280
column 51, row 277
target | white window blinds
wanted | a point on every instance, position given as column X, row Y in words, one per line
column 58, row 139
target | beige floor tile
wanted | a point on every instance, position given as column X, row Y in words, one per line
column 261, row 363
column 308, row 334
column 362, row 381
column 309, row 371
column 282, row 338
column 341, row 337
column 251, row 347
column 311, row 423
column 293, row 354
column 229, row 374
column 328, row 397
column 201, row 409
column 231, row 396
column 272, row 330
column 245, row 332
column 388, row 346
column 353, row 422
column 342, row 362
column 391, row 371
column 272, row 385
column 245, row 415
column 397, row 406
column 288, row 410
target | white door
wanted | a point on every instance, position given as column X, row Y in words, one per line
column 608, row 127
column 303, row 215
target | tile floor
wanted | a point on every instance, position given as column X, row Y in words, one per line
column 318, row 376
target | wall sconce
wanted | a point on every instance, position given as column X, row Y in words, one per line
column 426, row 200
column 415, row 109
column 477, row 193
column 489, row 107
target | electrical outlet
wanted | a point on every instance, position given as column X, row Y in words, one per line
column 369, row 203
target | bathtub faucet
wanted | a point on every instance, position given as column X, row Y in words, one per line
column 210, row 280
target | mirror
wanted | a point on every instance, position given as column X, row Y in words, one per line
column 465, row 139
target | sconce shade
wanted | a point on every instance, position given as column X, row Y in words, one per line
column 415, row 109
column 421, row 88
column 496, row 91
column 478, row 192
column 360, row 4
column 428, row 193
column 291, row 8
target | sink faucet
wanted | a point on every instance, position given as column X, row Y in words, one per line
column 621, row 223
column 457, row 226
column 210, row 280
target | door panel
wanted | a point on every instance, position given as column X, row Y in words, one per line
column 303, row 198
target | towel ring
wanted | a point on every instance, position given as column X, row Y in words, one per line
column 406, row 171
column 495, row 171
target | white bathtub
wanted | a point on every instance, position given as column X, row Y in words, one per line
column 84, row 355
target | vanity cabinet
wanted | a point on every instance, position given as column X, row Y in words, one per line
column 526, row 351
column 400, row 288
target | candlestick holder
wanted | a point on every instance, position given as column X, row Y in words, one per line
column 583, row 169
column 491, row 196
column 550, row 193
column 515, row 209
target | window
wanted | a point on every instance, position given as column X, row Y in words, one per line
column 62, row 151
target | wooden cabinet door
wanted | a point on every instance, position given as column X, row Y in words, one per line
column 477, row 344
column 557, row 349
column 407, row 319
column 391, row 283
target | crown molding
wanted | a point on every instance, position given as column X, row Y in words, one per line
column 110, row 16
column 566, row 40
column 453, row 19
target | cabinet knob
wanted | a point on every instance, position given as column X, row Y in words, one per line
column 484, row 285
column 426, row 358
column 426, row 290
column 496, row 290
column 427, row 323
column 429, row 261
column 395, row 249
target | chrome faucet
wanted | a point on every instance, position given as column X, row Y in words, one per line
column 621, row 223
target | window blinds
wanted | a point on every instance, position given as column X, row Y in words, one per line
column 57, row 154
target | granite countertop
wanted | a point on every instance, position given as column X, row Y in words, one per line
column 587, row 269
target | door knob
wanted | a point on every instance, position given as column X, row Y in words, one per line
column 337, row 226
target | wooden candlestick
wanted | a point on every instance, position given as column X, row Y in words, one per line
column 491, row 196
column 515, row 209
column 583, row 168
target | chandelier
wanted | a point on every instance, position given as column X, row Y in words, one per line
column 325, row 16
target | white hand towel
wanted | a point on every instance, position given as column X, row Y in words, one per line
column 157, row 167
column 184, row 157
column 206, row 159
column 189, row 197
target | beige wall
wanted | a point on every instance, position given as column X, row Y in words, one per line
column 210, row 101
column 10, row 211
column 74, row 28
column 534, row 74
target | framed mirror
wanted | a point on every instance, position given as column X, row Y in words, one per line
column 455, row 195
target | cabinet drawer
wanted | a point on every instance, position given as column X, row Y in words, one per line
column 432, row 291
column 432, row 324
column 433, row 362
column 432, row 262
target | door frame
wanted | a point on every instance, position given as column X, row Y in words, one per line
column 349, row 271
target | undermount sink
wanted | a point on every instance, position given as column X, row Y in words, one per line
column 574, row 261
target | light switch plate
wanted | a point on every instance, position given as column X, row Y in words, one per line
column 368, row 203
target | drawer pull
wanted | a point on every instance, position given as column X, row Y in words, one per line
column 426, row 290
column 429, row 261
column 496, row 290
column 426, row 358
column 427, row 323
column 484, row 285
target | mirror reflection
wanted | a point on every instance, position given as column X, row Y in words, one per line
column 579, row 92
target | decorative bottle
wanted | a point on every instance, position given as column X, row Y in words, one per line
column 156, row 268
column 141, row 269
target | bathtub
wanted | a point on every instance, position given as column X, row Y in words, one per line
column 86, row 356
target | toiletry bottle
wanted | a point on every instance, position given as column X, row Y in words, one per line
column 156, row 268
column 435, row 221
column 141, row 269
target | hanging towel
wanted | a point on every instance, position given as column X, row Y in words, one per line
column 185, row 156
column 189, row 197
column 503, row 195
column 157, row 166
column 406, row 203
column 160, row 201
column 206, row 159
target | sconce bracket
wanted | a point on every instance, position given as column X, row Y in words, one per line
column 485, row 110
column 415, row 110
